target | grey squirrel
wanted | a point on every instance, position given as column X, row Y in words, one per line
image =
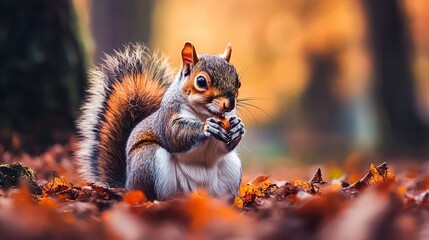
column 143, row 128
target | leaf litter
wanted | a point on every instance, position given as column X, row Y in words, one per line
column 379, row 205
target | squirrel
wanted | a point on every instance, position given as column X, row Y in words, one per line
column 142, row 127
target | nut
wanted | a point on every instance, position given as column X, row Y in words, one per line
column 225, row 122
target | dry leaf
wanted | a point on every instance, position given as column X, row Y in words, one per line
column 134, row 197
column 375, row 176
column 238, row 202
column 262, row 181
column 317, row 177
column 57, row 183
column 255, row 191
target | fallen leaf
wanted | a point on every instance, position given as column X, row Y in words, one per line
column 47, row 202
column 317, row 178
column 255, row 191
column 262, row 181
column 375, row 176
column 59, row 183
column 134, row 197
column 238, row 202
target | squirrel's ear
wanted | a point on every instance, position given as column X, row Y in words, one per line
column 189, row 57
column 227, row 53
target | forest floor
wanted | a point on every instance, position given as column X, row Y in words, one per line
column 372, row 203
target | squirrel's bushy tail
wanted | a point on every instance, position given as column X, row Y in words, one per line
column 125, row 89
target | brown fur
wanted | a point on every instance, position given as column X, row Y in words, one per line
column 130, row 89
column 127, row 88
column 144, row 139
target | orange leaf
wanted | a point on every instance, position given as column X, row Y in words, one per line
column 258, row 187
column 375, row 176
column 238, row 202
column 134, row 197
column 56, row 182
column 203, row 209
column 47, row 202
column 303, row 184
column 247, row 192
column 401, row 190
column 261, row 181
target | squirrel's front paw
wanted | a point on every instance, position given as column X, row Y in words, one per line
column 237, row 129
column 213, row 127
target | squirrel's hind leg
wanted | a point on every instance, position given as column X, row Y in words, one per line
column 149, row 168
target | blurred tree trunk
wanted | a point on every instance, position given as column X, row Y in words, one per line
column 402, row 128
column 323, row 112
column 42, row 73
column 117, row 22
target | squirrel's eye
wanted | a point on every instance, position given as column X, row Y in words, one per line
column 201, row 82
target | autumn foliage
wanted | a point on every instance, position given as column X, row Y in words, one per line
column 379, row 205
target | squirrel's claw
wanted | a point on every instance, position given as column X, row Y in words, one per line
column 212, row 127
column 237, row 129
column 234, row 121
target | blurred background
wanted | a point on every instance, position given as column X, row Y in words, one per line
column 329, row 81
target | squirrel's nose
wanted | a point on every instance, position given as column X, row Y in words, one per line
column 228, row 104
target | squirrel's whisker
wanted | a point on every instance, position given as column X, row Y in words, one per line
column 242, row 103
column 250, row 112
column 241, row 110
column 252, row 99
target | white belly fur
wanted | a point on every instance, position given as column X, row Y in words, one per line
column 207, row 166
